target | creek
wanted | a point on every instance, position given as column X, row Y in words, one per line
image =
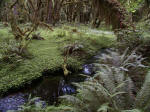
column 49, row 88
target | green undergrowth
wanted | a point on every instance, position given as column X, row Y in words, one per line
column 144, row 26
column 47, row 54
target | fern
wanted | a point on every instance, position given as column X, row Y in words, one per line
column 143, row 97
column 110, row 90
column 103, row 88
column 124, row 61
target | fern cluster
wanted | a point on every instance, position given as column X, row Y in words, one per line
column 111, row 89
column 124, row 61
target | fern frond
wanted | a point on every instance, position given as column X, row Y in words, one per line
column 143, row 97
column 134, row 110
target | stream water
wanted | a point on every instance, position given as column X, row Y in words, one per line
column 49, row 88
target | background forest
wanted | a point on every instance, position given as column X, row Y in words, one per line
column 74, row 55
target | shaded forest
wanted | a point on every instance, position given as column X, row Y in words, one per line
column 74, row 55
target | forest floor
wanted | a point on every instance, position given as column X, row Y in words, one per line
column 48, row 54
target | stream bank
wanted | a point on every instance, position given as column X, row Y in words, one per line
column 50, row 87
column 49, row 53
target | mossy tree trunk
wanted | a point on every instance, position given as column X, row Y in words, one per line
column 111, row 12
column 53, row 10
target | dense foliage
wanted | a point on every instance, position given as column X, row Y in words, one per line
column 42, row 37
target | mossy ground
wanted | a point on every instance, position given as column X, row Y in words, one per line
column 48, row 53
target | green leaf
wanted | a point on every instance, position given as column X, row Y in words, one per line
column 104, row 108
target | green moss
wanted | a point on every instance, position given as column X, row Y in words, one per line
column 47, row 54
column 5, row 34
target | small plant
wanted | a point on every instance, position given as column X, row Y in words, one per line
column 124, row 62
column 73, row 49
column 60, row 33
column 37, row 37
column 13, row 52
column 33, row 105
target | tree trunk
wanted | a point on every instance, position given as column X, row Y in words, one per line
column 111, row 12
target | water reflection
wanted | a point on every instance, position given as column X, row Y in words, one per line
column 48, row 90
column 12, row 102
column 51, row 88
column 88, row 69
